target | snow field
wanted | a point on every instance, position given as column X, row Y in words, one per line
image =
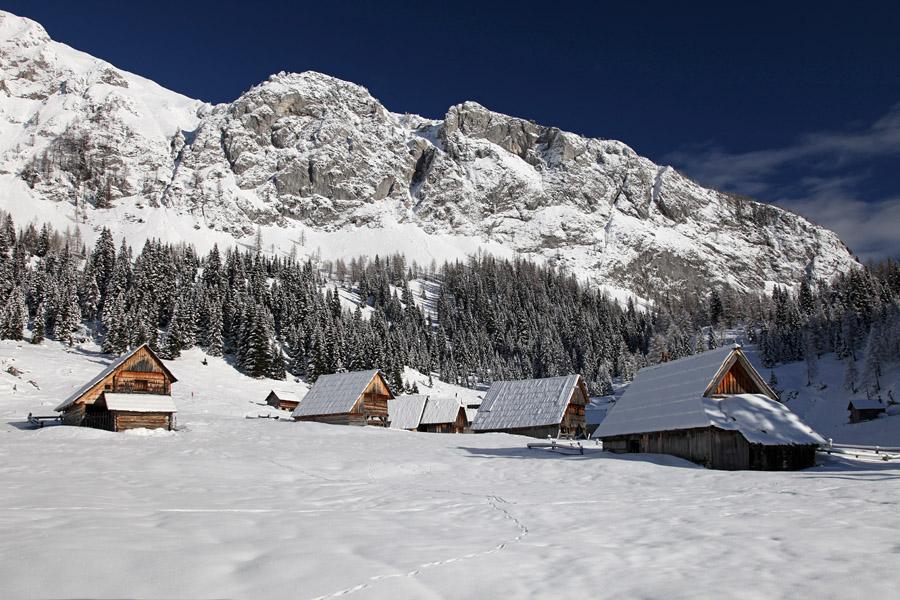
column 252, row 508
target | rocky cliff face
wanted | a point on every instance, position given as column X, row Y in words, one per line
column 313, row 150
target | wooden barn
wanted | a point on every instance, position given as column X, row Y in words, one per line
column 283, row 400
column 865, row 409
column 357, row 398
column 534, row 407
column 134, row 391
column 713, row 409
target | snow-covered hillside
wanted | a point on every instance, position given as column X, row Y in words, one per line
column 249, row 508
column 319, row 163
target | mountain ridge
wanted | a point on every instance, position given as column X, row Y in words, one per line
column 309, row 154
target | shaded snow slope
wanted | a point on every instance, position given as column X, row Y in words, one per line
column 319, row 163
column 250, row 508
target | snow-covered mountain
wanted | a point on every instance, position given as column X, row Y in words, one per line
column 310, row 157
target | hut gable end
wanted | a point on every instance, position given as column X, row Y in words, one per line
column 141, row 370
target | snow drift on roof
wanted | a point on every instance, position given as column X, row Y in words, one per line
column 139, row 402
column 669, row 397
column 334, row 394
column 527, row 403
column 867, row 404
column 405, row 412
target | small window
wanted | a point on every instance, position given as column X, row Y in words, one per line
column 107, row 387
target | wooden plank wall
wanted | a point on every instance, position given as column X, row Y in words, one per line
column 134, row 420
column 736, row 381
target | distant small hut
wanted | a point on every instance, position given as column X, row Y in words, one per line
column 444, row 415
column 864, row 409
column 283, row 400
column 713, row 409
column 134, row 391
column 357, row 398
column 534, row 407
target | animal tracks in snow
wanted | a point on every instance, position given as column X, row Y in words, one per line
column 493, row 501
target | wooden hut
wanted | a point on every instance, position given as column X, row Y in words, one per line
column 357, row 398
column 865, row 409
column 443, row 415
column 534, row 407
column 134, row 391
column 713, row 409
column 283, row 400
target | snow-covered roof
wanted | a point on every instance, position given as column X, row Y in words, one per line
column 284, row 395
column 334, row 394
column 139, row 402
column 112, row 367
column 526, row 403
column 673, row 396
column 867, row 404
column 440, row 410
column 405, row 412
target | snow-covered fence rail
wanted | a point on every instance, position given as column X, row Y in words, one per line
column 41, row 421
column 561, row 447
column 860, row 451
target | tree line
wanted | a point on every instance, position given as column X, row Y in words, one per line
column 470, row 322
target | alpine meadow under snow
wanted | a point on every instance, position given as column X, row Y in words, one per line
column 249, row 508
column 304, row 230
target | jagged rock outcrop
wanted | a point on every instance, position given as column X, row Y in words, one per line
column 314, row 150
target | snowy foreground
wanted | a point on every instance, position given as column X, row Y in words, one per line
column 230, row 507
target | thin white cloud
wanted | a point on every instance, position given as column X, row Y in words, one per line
column 818, row 176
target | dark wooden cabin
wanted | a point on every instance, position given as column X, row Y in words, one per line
column 713, row 409
column 865, row 409
column 134, row 391
column 283, row 400
column 553, row 407
column 357, row 398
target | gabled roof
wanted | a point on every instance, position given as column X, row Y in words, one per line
column 334, row 394
column 526, row 403
column 405, row 412
column 112, row 367
column 284, row 395
column 674, row 396
column 440, row 410
column 867, row 404
column 139, row 402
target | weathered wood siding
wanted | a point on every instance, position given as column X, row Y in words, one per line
column 73, row 415
column 140, row 373
column 715, row 448
column 123, row 420
column 736, row 381
column 339, row 419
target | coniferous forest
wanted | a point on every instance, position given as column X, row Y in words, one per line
column 468, row 322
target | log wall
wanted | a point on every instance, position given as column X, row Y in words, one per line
column 123, row 420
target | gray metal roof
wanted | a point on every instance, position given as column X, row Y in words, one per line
column 526, row 403
column 334, row 394
column 112, row 367
column 140, row 402
column 670, row 397
column 440, row 410
column 405, row 412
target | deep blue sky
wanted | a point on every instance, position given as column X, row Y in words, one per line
column 794, row 103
